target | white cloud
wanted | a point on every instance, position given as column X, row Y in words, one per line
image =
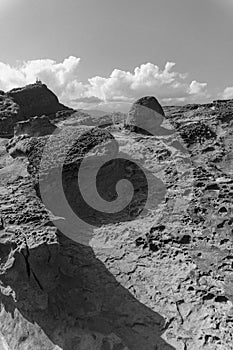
column 227, row 93
column 146, row 79
column 197, row 88
column 62, row 77
column 121, row 86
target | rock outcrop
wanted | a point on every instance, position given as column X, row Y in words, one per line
column 36, row 99
column 23, row 103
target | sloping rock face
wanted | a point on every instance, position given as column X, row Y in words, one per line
column 22, row 103
column 160, row 281
column 143, row 114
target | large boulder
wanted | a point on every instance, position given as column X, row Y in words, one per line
column 145, row 116
column 149, row 102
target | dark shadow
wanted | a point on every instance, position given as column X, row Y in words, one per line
column 66, row 290
column 107, row 178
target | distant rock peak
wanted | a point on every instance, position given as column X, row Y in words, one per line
column 20, row 104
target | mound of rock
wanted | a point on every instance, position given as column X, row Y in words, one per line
column 54, row 163
column 36, row 99
column 22, row 103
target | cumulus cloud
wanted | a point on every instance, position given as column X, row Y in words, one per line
column 62, row 77
column 168, row 85
column 146, row 79
column 227, row 93
column 197, row 88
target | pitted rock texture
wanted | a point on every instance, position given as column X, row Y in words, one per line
column 64, row 153
column 55, row 293
column 161, row 281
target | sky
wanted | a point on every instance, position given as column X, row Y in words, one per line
column 104, row 54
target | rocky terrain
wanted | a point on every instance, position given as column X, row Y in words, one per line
column 156, row 274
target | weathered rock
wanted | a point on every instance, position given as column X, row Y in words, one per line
column 160, row 281
column 55, row 290
column 149, row 102
column 9, row 115
column 17, row 146
column 35, row 127
column 146, row 116
column 55, row 163
column 22, row 103
column 196, row 132
column 36, row 99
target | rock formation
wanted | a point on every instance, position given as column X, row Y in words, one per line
column 157, row 279
column 36, row 99
column 22, row 103
column 146, row 115
column 35, row 127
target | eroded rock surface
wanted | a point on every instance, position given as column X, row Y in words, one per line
column 145, row 115
column 35, row 127
column 163, row 280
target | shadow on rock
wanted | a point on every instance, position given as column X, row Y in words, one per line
column 58, row 295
